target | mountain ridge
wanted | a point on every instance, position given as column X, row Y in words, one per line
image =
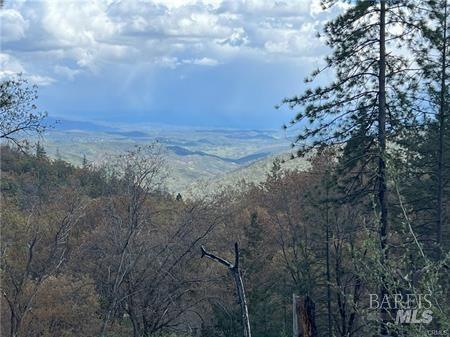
column 193, row 155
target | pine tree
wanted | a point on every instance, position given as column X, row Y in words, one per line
column 432, row 55
column 425, row 149
column 40, row 151
column 367, row 101
column 84, row 163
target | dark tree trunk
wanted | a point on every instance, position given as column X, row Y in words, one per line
column 443, row 106
column 14, row 328
column 328, row 264
column 304, row 317
column 382, row 185
column 134, row 318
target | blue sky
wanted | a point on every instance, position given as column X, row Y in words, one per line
column 217, row 63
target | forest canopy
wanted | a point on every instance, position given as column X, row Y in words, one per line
column 102, row 249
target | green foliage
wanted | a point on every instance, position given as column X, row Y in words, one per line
column 347, row 108
column 19, row 114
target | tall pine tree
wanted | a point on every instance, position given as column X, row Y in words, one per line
column 366, row 104
column 432, row 55
column 425, row 149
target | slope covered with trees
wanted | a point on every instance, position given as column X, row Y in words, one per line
column 105, row 251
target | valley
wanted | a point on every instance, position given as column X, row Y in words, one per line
column 198, row 159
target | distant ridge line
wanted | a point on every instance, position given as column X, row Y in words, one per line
column 181, row 151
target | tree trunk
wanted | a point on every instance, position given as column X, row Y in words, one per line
column 442, row 118
column 328, row 264
column 133, row 317
column 235, row 271
column 14, row 328
column 382, row 185
column 304, row 320
column 242, row 301
column 106, row 319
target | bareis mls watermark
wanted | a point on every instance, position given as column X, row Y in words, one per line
column 405, row 308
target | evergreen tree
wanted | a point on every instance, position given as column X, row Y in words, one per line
column 366, row 103
column 84, row 163
column 432, row 52
column 40, row 151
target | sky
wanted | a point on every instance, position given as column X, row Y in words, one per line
column 209, row 63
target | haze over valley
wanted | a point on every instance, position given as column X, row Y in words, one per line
column 198, row 159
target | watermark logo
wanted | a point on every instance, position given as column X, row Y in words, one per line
column 404, row 308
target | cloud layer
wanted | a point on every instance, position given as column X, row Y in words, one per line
column 61, row 41
column 92, row 34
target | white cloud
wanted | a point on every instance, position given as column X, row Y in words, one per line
column 40, row 80
column 10, row 67
column 237, row 38
column 90, row 35
column 316, row 7
column 67, row 72
column 12, row 25
column 181, row 3
column 205, row 61
column 168, row 62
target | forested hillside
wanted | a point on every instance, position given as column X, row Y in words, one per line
column 358, row 239
column 87, row 250
column 194, row 155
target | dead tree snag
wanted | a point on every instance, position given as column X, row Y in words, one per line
column 235, row 271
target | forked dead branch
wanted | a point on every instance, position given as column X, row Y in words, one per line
column 235, row 271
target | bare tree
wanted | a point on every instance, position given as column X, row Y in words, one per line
column 143, row 247
column 235, row 271
column 32, row 252
column 159, row 291
column 138, row 173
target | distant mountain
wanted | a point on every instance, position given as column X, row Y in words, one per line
column 241, row 134
column 251, row 157
column 131, row 134
column 193, row 155
column 256, row 172
column 181, row 151
column 56, row 124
